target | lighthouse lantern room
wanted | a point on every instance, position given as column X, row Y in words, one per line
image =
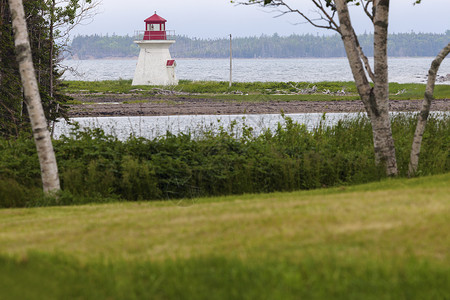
column 155, row 28
column 155, row 66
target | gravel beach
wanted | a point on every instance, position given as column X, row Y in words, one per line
column 139, row 105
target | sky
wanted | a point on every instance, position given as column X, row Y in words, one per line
column 220, row 18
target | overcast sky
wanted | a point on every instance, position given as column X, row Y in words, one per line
column 219, row 18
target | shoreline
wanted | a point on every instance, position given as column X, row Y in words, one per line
column 237, row 58
column 137, row 105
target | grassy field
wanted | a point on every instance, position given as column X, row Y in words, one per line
column 257, row 91
column 384, row 240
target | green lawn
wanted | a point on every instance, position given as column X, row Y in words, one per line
column 386, row 240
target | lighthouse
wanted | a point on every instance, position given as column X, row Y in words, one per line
column 155, row 66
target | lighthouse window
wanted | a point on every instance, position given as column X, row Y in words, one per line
column 153, row 27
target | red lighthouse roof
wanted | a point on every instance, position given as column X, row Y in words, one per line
column 155, row 19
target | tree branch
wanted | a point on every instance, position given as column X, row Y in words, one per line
column 329, row 18
column 325, row 16
column 366, row 8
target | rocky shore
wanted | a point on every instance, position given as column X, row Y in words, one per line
column 137, row 105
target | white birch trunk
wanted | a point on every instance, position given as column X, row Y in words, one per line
column 383, row 140
column 376, row 100
column 47, row 160
column 425, row 110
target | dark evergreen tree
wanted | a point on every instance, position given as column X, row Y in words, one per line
column 11, row 105
column 43, row 19
column 264, row 46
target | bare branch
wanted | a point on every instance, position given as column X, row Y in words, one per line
column 366, row 8
column 84, row 15
column 329, row 18
column 324, row 15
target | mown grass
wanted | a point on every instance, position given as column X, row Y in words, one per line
column 261, row 91
column 384, row 240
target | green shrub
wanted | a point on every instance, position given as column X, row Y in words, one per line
column 95, row 166
column 13, row 194
column 139, row 180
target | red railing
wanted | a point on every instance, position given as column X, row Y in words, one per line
column 154, row 35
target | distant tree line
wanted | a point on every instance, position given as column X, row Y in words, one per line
column 265, row 46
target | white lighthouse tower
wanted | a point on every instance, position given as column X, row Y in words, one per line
column 155, row 66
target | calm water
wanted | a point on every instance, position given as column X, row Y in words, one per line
column 197, row 125
column 151, row 127
column 402, row 70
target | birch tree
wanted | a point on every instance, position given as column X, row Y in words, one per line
column 335, row 15
column 46, row 154
column 425, row 111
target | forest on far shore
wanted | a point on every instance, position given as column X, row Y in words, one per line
column 265, row 46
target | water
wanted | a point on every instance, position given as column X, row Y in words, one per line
column 152, row 127
column 401, row 70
